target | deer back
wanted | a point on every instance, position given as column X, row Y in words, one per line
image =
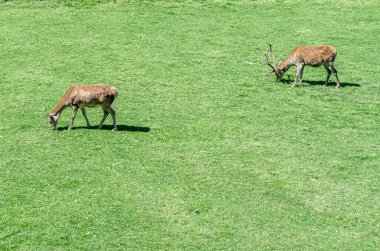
column 92, row 94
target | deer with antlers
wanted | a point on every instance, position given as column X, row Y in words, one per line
column 301, row 56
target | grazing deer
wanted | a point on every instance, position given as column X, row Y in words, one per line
column 81, row 96
column 301, row 56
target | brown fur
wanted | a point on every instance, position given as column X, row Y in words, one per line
column 81, row 96
column 309, row 55
column 314, row 56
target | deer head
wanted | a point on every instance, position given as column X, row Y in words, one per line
column 53, row 121
column 273, row 67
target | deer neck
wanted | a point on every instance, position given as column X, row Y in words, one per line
column 284, row 66
column 59, row 108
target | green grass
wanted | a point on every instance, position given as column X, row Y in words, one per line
column 268, row 166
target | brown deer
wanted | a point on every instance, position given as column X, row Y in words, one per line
column 81, row 96
column 301, row 56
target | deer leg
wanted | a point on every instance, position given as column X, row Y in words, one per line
column 105, row 112
column 75, row 109
column 85, row 116
column 328, row 74
column 335, row 72
column 113, row 114
column 301, row 73
column 299, row 70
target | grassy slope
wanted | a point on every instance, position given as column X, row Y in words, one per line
column 267, row 165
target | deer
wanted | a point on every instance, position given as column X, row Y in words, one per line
column 301, row 56
column 81, row 96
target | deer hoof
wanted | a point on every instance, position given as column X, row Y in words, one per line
column 114, row 129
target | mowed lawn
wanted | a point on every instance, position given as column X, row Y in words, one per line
column 212, row 153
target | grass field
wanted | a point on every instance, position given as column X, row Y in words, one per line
column 211, row 152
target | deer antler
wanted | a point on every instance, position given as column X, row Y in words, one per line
column 269, row 64
column 269, row 50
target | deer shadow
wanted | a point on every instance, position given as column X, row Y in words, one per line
column 313, row 82
column 127, row 128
